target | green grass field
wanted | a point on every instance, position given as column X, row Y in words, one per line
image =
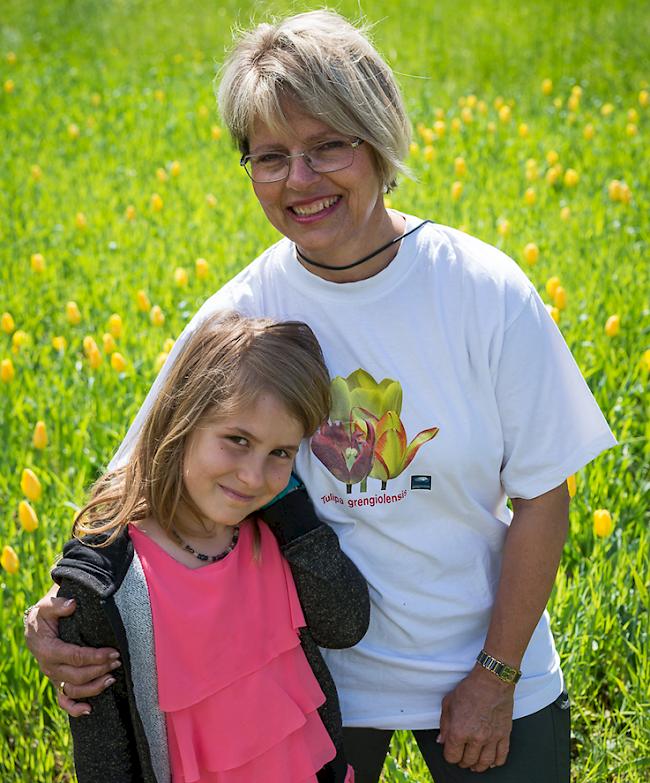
column 103, row 105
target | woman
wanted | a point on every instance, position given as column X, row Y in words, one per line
column 453, row 390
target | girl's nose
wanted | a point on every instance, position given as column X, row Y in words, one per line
column 251, row 473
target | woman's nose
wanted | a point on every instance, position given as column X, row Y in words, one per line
column 300, row 174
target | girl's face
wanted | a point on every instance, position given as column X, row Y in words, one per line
column 236, row 464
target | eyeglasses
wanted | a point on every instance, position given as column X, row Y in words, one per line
column 323, row 158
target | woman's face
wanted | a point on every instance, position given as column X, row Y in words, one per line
column 332, row 217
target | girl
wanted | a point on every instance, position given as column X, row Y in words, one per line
column 221, row 678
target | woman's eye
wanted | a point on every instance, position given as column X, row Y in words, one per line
column 270, row 159
column 333, row 145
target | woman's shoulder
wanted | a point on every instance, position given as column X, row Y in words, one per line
column 478, row 269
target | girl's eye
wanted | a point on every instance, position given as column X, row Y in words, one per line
column 283, row 453
column 239, row 440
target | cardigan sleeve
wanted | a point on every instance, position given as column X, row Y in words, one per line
column 332, row 591
column 104, row 743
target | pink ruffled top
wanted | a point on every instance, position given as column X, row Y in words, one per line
column 239, row 697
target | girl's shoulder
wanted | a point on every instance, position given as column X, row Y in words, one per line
column 96, row 560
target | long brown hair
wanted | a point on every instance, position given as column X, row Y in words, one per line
column 227, row 363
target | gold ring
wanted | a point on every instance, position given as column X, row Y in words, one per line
column 60, row 687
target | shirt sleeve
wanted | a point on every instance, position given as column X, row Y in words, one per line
column 551, row 423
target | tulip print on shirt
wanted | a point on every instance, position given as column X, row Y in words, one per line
column 365, row 436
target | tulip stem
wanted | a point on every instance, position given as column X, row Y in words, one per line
column 383, row 484
column 348, row 488
column 364, row 485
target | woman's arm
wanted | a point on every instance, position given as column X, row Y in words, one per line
column 477, row 715
column 104, row 744
column 332, row 591
column 84, row 669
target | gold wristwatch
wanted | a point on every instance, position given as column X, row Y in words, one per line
column 504, row 672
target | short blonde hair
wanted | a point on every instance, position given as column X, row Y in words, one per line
column 331, row 70
column 227, row 363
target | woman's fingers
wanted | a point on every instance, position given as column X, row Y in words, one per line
column 88, row 689
column 75, row 709
column 84, row 679
column 61, row 661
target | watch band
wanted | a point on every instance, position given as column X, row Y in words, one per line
column 504, row 672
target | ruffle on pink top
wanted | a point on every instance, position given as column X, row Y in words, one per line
column 239, row 697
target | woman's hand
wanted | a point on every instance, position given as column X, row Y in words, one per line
column 476, row 721
column 85, row 671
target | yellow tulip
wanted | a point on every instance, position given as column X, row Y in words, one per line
column 89, row 345
column 7, row 323
column 95, row 99
column 482, row 107
column 59, row 343
column 80, row 221
column 504, row 227
column 530, row 196
column 554, row 313
column 94, row 357
column 11, row 58
column 175, row 168
column 460, row 167
column 156, row 202
column 215, row 132
column 159, row 95
column 552, row 285
column 30, row 485
column 429, row 153
column 626, row 193
column 115, row 326
column 7, row 372
column 645, row 360
column 160, row 360
column 108, row 343
column 73, row 131
column 552, row 175
column 27, row 516
column 144, row 305
column 523, row 130
column 456, row 190
column 631, row 129
column 571, row 178
column 565, row 213
column 39, row 439
column 118, row 362
column 129, row 212
column 9, row 86
column 467, row 115
column 472, row 101
column 560, row 298
column 9, row 560
column 603, row 523
column 180, row 277
column 439, row 128
column 38, row 262
column 36, row 172
column 589, row 132
column 157, row 316
column 644, row 98
column 414, row 149
column 552, row 157
column 613, row 325
column 571, row 485
column 531, row 253
column 573, row 104
column 606, row 109
column 505, row 114
column 498, row 102
column 456, row 124
column 72, row 313
column 168, row 345
column 211, row 200
column 428, row 135
column 633, row 115
column 547, row 86
column 161, row 175
column 19, row 339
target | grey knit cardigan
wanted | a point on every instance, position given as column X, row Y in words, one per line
column 124, row 740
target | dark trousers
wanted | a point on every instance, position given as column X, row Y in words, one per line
column 540, row 751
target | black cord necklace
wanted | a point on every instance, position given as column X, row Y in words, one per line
column 208, row 558
column 361, row 260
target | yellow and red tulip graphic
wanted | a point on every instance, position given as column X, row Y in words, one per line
column 361, row 390
column 393, row 452
column 346, row 450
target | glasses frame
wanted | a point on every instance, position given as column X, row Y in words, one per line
column 305, row 154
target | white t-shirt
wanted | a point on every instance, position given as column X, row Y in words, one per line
column 463, row 333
